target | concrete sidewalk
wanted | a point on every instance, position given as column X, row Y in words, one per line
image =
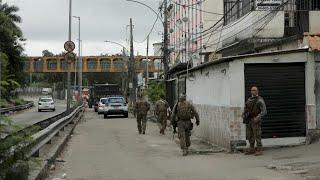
column 112, row 149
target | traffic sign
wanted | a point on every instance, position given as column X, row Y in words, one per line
column 70, row 57
column 69, row 46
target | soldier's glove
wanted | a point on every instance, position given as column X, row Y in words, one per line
column 257, row 119
column 197, row 123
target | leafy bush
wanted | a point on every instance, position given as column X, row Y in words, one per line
column 154, row 91
column 3, row 103
column 18, row 102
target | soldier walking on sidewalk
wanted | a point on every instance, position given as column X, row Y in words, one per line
column 255, row 109
column 162, row 112
column 141, row 110
column 182, row 114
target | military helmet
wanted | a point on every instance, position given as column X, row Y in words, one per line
column 182, row 97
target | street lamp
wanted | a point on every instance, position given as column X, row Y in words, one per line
column 69, row 69
column 124, row 57
column 165, row 27
column 78, row 62
column 112, row 42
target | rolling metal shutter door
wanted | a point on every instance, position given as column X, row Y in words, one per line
column 283, row 88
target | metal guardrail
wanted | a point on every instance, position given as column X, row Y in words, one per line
column 48, row 129
column 44, row 136
column 16, row 108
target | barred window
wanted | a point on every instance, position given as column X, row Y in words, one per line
column 235, row 9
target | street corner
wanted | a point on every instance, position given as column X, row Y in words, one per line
column 304, row 169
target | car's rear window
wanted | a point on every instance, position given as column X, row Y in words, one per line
column 103, row 101
column 116, row 100
column 45, row 100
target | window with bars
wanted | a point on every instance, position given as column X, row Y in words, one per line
column 308, row 5
column 92, row 64
column 105, row 64
column 63, row 64
column 118, row 64
column 235, row 9
column 51, row 64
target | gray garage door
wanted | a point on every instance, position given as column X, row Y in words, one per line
column 283, row 88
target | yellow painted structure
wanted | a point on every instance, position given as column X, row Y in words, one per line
column 111, row 64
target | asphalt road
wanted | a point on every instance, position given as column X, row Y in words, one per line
column 112, row 149
column 32, row 116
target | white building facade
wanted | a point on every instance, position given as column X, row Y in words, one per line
column 231, row 27
column 219, row 89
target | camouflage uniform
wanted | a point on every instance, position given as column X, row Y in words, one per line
column 182, row 114
column 141, row 110
column 256, row 108
column 161, row 112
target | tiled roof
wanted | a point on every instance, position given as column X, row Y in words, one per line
column 313, row 40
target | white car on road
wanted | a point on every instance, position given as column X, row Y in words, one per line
column 101, row 105
column 46, row 103
column 116, row 105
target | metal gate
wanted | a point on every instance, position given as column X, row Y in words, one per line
column 282, row 86
column 171, row 92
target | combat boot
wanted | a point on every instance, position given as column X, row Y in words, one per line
column 162, row 131
column 250, row 151
column 258, row 152
column 184, row 152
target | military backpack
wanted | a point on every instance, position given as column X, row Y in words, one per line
column 184, row 111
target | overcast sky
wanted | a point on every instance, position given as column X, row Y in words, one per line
column 45, row 24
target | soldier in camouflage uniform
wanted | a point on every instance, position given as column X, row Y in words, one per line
column 254, row 111
column 141, row 110
column 182, row 114
column 161, row 111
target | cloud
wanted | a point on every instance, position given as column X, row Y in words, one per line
column 45, row 24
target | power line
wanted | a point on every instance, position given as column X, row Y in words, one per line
column 222, row 18
column 189, row 5
column 151, row 30
column 192, row 7
column 259, row 29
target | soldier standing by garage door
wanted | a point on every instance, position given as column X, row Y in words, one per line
column 254, row 111
column 141, row 110
column 162, row 110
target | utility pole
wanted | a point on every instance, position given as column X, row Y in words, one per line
column 0, row 70
column 79, row 62
column 123, row 74
column 69, row 66
column 165, row 40
column 132, row 73
column 147, row 77
column 80, row 65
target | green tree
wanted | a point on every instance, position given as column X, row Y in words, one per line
column 154, row 91
column 47, row 53
column 10, row 47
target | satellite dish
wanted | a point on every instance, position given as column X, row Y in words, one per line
column 185, row 19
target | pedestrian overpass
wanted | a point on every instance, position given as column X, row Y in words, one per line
column 96, row 64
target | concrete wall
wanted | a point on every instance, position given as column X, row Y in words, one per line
column 317, row 88
column 314, row 21
column 209, row 90
column 210, row 87
column 218, row 92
